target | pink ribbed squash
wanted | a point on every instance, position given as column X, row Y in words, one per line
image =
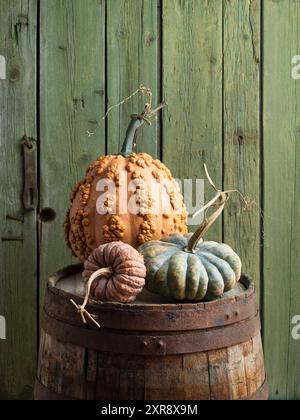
column 121, row 272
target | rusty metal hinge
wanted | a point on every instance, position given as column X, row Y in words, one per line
column 30, row 192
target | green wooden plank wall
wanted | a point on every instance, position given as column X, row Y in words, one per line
column 241, row 128
column 18, row 262
column 192, row 86
column 225, row 69
column 133, row 58
column 281, row 113
column 72, row 96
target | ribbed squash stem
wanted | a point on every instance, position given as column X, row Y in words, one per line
column 134, row 125
column 205, row 226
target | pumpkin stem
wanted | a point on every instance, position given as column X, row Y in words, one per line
column 221, row 197
column 219, row 201
column 135, row 123
column 81, row 308
column 137, row 120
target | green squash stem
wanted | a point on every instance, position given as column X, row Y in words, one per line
column 135, row 123
column 137, row 120
column 205, row 226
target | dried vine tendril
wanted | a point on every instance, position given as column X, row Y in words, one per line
column 247, row 201
column 142, row 90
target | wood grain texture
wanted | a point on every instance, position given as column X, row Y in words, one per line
column 241, row 129
column 68, row 363
column 192, row 86
column 133, row 39
column 127, row 373
column 281, row 198
column 218, row 375
column 214, row 375
column 236, row 372
column 18, row 280
column 72, row 97
column 250, row 367
column 259, row 360
column 195, row 371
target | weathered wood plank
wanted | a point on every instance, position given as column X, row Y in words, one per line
column 218, row 374
column 127, row 373
column 18, row 281
column 281, row 198
column 133, row 39
column 132, row 384
column 241, row 119
column 72, row 94
column 259, row 361
column 192, row 86
column 91, row 371
column 164, row 377
column 68, row 363
column 251, row 367
column 195, row 373
column 108, row 377
column 237, row 380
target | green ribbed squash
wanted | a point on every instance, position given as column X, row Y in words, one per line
column 186, row 267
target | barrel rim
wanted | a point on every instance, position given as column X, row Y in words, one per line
column 159, row 343
column 93, row 304
column 153, row 316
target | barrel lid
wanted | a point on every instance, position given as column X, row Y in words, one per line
column 72, row 282
column 149, row 312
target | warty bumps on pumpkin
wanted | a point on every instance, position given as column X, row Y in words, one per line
column 86, row 229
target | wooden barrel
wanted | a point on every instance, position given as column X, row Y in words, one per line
column 150, row 349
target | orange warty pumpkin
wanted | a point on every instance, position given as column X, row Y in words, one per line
column 86, row 228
